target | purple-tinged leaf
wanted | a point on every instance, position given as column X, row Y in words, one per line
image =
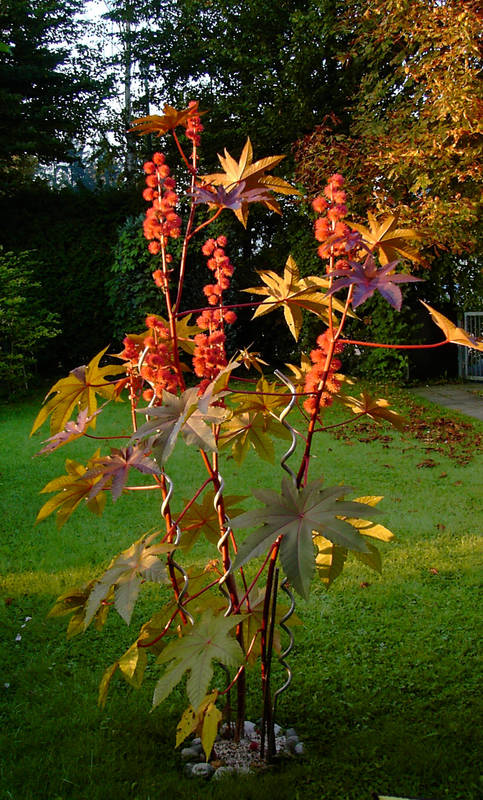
column 116, row 467
column 367, row 278
column 72, row 430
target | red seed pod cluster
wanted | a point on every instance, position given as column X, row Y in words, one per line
column 209, row 357
column 194, row 126
column 333, row 210
column 157, row 367
column 161, row 220
column 317, row 373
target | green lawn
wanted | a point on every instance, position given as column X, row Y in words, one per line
column 385, row 666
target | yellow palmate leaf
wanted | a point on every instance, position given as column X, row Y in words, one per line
column 252, row 174
column 369, row 528
column 452, row 332
column 329, row 560
column 211, row 720
column 133, row 664
column 155, row 123
column 76, row 392
column 388, row 239
column 104, row 684
column 292, row 293
column 74, row 488
column 377, row 410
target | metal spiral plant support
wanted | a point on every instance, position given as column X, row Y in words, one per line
column 177, row 566
column 164, row 506
column 284, row 584
column 282, row 656
column 282, row 419
column 219, row 545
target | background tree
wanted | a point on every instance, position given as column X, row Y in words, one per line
column 50, row 84
column 415, row 125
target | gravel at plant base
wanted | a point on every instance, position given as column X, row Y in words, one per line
column 241, row 757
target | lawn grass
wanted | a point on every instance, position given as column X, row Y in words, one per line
column 384, row 693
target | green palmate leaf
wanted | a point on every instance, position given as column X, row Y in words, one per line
column 125, row 574
column 72, row 489
column 207, row 641
column 188, row 415
column 78, row 391
column 268, row 398
column 294, row 515
column 202, row 518
column 251, row 429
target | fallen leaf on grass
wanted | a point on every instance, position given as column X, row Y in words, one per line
column 428, row 462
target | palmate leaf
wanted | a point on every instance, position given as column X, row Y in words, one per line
column 251, row 429
column 250, row 359
column 209, row 640
column 72, row 489
column 204, row 720
column 125, row 574
column 452, row 332
column 331, row 558
column 184, row 333
column 267, row 398
column 202, row 518
column 71, row 432
column 132, row 664
column 388, row 239
column 367, row 278
column 73, row 602
column 377, row 410
column 292, row 293
column 114, row 469
column 187, row 415
column 77, row 391
column 295, row 515
column 155, row 123
column 252, row 174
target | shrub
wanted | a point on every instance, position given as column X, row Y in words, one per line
column 26, row 325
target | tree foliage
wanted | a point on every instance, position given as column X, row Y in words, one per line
column 50, row 90
column 415, row 127
column 26, row 324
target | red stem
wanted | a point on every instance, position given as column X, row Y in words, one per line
column 396, row 346
column 246, row 595
column 163, row 632
column 185, row 509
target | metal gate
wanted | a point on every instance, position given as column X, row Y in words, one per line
column 473, row 359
